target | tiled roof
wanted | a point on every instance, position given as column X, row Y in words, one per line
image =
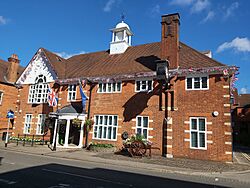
column 58, row 63
column 135, row 59
column 4, row 68
column 243, row 100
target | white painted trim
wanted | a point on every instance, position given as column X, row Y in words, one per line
column 186, row 131
column 198, row 132
column 209, row 141
column 226, row 86
column 111, row 87
column 168, row 146
column 226, row 105
column 226, row 96
column 169, row 130
column 227, row 123
column 209, row 132
column 150, row 121
column 227, row 114
column 186, row 139
column 228, row 153
column 169, row 137
column 209, row 123
column 228, row 133
column 228, row 143
column 150, row 137
column 133, row 127
column 186, row 122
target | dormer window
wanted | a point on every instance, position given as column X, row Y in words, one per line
column 38, row 92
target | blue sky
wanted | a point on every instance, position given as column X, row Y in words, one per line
column 77, row 26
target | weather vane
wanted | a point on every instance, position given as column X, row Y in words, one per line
column 122, row 17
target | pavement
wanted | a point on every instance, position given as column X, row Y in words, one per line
column 237, row 171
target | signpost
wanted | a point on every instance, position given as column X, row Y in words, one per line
column 10, row 115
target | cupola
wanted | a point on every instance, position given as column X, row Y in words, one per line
column 121, row 38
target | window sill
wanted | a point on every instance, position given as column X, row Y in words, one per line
column 198, row 148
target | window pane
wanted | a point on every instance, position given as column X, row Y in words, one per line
column 194, row 141
column 197, row 82
column 100, row 88
column 145, row 133
column 202, row 124
column 104, row 132
column 143, row 85
column 202, row 140
column 110, row 120
column 114, row 133
column 113, row 87
column 138, row 131
column 109, row 87
column 204, row 82
column 194, row 124
column 139, row 121
column 109, row 132
column 105, row 120
column 101, row 120
column 150, row 85
column 96, row 120
column 189, row 83
column 145, row 121
column 115, row 120
column 118, row 86
column 104, row 87
column 100, row 132
column 138, row 85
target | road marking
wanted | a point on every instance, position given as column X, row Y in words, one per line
column 246, row 156
column 7, row 181
column 87, row 177
column 9, row 163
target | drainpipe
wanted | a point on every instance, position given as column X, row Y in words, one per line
column 88, row 114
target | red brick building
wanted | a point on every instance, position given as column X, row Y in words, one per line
column 9, row 72
column 189, row 117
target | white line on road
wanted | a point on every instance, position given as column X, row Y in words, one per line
column 7, row 181
column 86, row 177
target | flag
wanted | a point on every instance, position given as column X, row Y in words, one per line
column 84, row 97
column 52, row 97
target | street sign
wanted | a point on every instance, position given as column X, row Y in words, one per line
column 10, row 114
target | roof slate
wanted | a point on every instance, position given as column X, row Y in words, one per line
column 136, row 59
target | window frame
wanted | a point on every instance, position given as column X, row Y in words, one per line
column 142, row 80
column 193, row 81
column 1, row 97
column 71, row 92
column 106, row 85
column 41, row 123
column 141, row 127
column 198, row 131
column 38, row 89
column 27, row 123
column 97, row 126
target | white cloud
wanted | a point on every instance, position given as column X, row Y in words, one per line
column 243, row 90
column 238, row 44
column 231, row 9
column 200, row 5
column 65, row 55
column 108, row 5
column 3, row 20
column 181, row 2
column 209, row 16
column 156, row 9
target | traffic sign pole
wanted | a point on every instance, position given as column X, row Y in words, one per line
column 7, row 135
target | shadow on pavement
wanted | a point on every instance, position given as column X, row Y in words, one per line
column 60, row 176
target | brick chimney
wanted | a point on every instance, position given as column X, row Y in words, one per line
column 13, row 68
column 170, row 39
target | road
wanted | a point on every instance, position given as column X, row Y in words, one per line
column 28, row 170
